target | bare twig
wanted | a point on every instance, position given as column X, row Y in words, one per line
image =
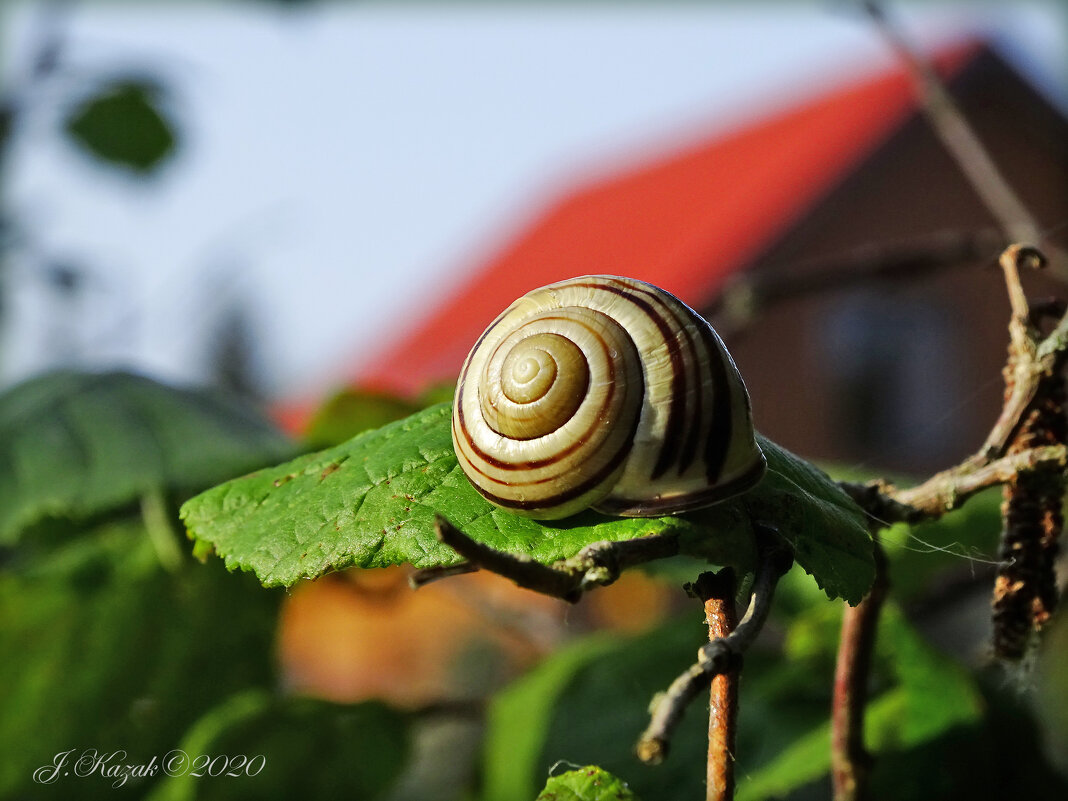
column 1030, row 364
column 597, row 564
column 1012, row 259
column 427, row 575
column 715, row 657
column 1025, row 587
column 717, row 591
column 524, row 571
column 958, row 137
column 948, row 490
column 1032, row 377
column 755, row 291
column 850, row 762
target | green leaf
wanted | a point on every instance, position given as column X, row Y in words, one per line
column 371, row 502
column 104, row 649
column 77, row 445
column 124, row 124
column 586, row 784
column 826, row 529
column 309, row 749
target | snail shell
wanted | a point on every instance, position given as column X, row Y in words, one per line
column 605, row 392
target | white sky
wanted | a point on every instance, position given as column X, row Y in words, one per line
column 342, row 167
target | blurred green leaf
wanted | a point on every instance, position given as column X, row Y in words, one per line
column 124, row 124
column 77, row 445
column 1052, row 688
column 310, row 749
column 826, row 529
column 921, row 696
column 586, row 784
column 353, row 411
column 106, row 650
column 923, row 556
column 519, row 719
column 371, row 502
column 587, row 704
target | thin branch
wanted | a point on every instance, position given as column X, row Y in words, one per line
column 850, row 762
column 754, row 292
column 715, row 657
column 596, row 565
column 427, row 575
column 948, row 490
column 959, row 138
column 524, row 571
column 1030, row 363
column 717, row 591
column 1012, row 259
column 943, row 493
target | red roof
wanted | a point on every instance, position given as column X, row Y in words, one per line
column 684, row 222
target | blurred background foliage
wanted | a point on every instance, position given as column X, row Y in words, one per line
column 123, row 124
column 115, row 638
column 468, row 688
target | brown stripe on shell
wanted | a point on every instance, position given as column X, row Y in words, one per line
column 692, row 419
column 721, row 426
column 491, row 460
column 672, row 432
column 634, row 507
column 574, row 492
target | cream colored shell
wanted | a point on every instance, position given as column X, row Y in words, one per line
column 605, row 392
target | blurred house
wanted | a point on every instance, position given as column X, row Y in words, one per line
column 899, row 371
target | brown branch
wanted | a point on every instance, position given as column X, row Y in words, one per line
column 596, row 565
column 716, row 657
column 753, row 292
column 959, row 138
column 948, row 490
column 1012, row 259
column 850, row 762
column 1032, row 373
column 1025, row 587
column 1030, row 363
column 717, row 591
column 965, row 147
column 427, row 575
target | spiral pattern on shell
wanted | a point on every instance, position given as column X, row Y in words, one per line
column 606, row 392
